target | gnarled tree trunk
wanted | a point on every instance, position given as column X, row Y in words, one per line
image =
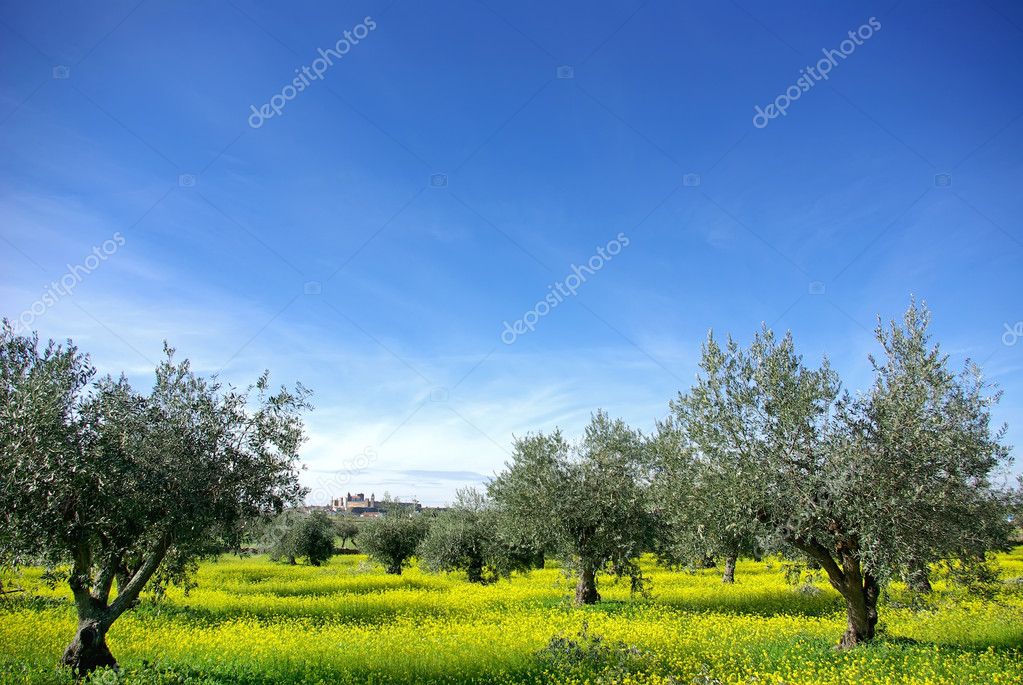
column 586, row 588
column 394, row 569
column 859, row 590
column 88, row 650
column 861, row 611
column 729, row 575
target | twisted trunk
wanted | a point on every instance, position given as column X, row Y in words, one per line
column 88, row 650
column 859, row 589
column 729, row 575
column 586, row 588
column 861, row 611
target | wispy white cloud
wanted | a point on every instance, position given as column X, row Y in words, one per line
column 427, row 436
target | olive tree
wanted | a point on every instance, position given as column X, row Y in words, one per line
column 703, row 512
column 316, row 538
column 278, row 537
column 468, row 537
column 124, row 486
column 586, row 502
column 345, row 528
column 392, row 539
column 1016, row 510
column 297, row 535
column 921, row 449
column 866, row 485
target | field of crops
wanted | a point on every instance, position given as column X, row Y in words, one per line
column 254, row 621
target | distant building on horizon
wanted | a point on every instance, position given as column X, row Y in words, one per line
column 360, row 505
column 349, row 503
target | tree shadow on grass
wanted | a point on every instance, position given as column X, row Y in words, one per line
column 162, row 612
column 361, row 589
column 790, row 603
column 903, row 642
column 630, row 606
column 780, row 604
column 34, row 603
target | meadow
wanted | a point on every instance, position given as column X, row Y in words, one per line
column 251, row 620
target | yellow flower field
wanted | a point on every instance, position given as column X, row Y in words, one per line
column 254, row 621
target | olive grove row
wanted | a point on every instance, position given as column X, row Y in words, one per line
column 765, row 453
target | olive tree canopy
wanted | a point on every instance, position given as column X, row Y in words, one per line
column 292, row 535
column 124, row 486
column 392, row 539
column 586, row 502
column 703, row 512
column 345, row 528
column 864, row 485
column 469, row 537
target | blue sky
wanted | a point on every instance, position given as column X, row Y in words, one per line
column 373, row 237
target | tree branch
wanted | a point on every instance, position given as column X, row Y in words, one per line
column 819, row 553
column 105, row 580
column 130, row 592
column 80, row 578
